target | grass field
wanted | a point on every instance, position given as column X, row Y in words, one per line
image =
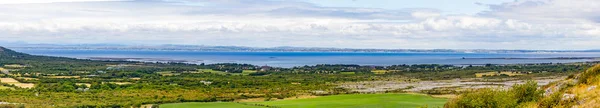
column 208, row 105
column 337, row 101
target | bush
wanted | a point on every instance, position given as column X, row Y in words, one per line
column 483, row 98
column 526, row 92
column 550, row 101
column 520, row 95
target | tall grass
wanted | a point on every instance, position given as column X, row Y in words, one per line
column 589, row 75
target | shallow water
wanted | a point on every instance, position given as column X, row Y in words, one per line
column 290, row 59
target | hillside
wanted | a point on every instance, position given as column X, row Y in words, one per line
column 580, row 91
column 577, row 91
column 48, row 64
column 4, row 53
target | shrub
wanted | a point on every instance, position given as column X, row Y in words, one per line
column 483, row 98
column 526, row 92
column 550, row 101
column 520, row 95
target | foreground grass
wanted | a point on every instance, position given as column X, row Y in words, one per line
column 338, row 101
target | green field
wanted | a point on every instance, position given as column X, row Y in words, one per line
column 208, row 105
column 337, row 101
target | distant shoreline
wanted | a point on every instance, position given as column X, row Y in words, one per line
column 293, row 59
column 292, row 49
column 550, row 58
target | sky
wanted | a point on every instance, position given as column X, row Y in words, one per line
column 384, row 24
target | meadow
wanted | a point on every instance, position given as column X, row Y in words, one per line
column 337, row 101
column 208, row 105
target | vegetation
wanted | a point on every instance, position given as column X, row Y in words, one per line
column 337, row 101
column 208, row 105
column 561, row 94
column 67, row 82
column 519, row 95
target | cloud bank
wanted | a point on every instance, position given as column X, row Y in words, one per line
column 522, row 24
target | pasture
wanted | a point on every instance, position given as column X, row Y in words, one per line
column 208, row 105
column 336, row 101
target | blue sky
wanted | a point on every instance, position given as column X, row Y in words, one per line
column 388, row 24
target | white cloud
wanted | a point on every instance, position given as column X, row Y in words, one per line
column 282, row 23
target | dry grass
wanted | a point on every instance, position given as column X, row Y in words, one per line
column 14, row 66
column 8, row 80
column 16, row 83
column 135, row 78
column 27, row 78
column 588, row 93
column 3, row 70
column 121, row 83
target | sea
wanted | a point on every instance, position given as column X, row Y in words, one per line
column 292, row 59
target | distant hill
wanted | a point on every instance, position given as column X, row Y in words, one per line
column 11, row 56
column 275, row 49
column 5, row 52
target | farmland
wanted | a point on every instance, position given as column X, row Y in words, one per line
column 337, row 101
column 12, row 81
